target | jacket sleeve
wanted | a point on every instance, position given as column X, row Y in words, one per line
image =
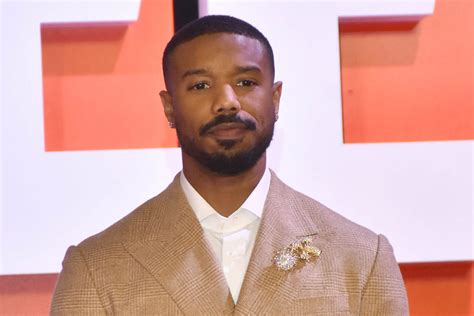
column 384, row 292
column 75, row 292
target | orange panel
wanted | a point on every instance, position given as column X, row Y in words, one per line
column 26, row 294
column 410, row 82
column 101, row 83
column 443, row 288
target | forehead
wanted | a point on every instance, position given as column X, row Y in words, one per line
column 218, row 52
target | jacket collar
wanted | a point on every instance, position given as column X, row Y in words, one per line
column 174, row 250
column 267, row 290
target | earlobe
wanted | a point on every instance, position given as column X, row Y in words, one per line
column 276, row 95
column 167, row 102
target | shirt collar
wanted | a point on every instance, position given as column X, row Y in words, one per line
column 254, row 203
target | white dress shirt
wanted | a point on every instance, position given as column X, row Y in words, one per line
column 232, row 238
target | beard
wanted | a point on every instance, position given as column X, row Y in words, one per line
column 224, row 162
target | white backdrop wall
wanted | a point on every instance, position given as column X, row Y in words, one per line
column 419, row 194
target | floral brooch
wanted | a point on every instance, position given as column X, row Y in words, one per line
column 297, row 252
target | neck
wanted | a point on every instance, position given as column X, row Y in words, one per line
column 224, row 193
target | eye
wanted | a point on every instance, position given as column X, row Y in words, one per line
column 200, row 86
column 246, row 83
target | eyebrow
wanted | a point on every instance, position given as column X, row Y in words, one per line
column 250, row 68
column 193, row 72
column 202, row 71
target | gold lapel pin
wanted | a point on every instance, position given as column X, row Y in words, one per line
column 297, row 252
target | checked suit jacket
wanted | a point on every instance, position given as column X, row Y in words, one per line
column 156, row 261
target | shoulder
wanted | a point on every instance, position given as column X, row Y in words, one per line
column 349, row 248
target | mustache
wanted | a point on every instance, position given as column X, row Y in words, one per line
column 227, row 119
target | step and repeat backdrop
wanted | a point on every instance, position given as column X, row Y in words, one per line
column 380, row 133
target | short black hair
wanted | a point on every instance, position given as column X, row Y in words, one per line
column 212, row 24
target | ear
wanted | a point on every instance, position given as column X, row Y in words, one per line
column 276, row 95
column 167, row 102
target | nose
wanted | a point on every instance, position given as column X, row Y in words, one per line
column 226, row 101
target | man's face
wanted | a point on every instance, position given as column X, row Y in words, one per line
column 222, row 100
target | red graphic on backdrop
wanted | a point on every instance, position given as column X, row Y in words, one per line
column 101, row 83
column 410, row 82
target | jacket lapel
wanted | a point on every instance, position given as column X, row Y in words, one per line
column 179, row 257
column 267, row 290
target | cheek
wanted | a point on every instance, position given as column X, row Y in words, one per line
column 189, row 102
column 260, row 106
column 190, row 119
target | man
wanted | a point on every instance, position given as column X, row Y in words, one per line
column 227, row 236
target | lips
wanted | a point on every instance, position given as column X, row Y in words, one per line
column 228, row 130
column 227, row 122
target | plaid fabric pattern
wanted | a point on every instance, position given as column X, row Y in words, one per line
column 157, row 261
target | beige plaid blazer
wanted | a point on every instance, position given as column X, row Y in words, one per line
column 156, row 261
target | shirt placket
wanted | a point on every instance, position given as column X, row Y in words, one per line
column 234, row 249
